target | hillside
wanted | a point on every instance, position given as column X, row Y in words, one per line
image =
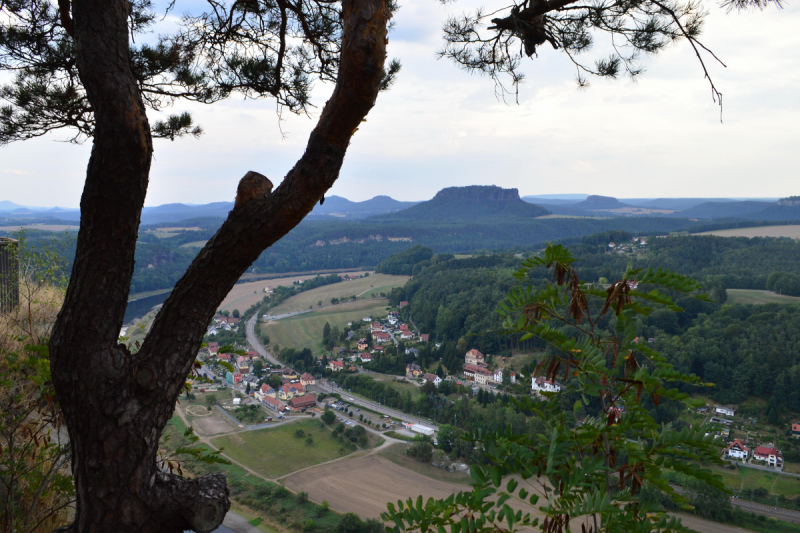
column 596, row 202
column 724, row 210
column 475, row 203
column 344, row 208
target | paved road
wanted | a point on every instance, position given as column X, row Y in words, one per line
column 250, row 331
column 363, row 402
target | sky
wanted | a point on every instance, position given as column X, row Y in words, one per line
column 659, row 136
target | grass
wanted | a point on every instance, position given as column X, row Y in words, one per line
column 400, row 386
column 397, row 454
column 276, row 452
column 194, row 244
column 345, row 289
column 396, row 435
column 751, row 296
column 761, row 231
column 305, row 331
column 745, row 479
column 138, row 295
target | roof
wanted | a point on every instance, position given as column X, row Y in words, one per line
column 403, row 327
column 337, row 363
column 795, row 427
column 763, row 450
column 306, row 377
column 739, row 444
column 296, row 386
column 424, row 336
column 303, row 401
column 475, row 353
column 475, row 369
column 430, row 377
column 264, row 388
column 272, row 401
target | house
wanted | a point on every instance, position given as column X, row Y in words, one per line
column 365, row 358
column 424, row 337
column 403, row 304
column 772, row 456
column 539, row 385
column 367, row 319
column 737, row 450
column 243, row 364
column 403, row 327
column 273, row 403
column 478, row 374
column 474, row 357
column 266, row 390
column 288, row 373
column 382, row 337
column 611, row 245
column 307, row 379
column 407, row 335
column 727, row 410
column 336, row 366
column 234, row 378
column 413, row 370
column 302, row 402
column 290, row 390
column 376, row 325
column 352, row 368
column 796, row 431
column 412, row 351
column 433, row 378
column 377, row 348
column 224, row 357
column 362, row 344
column 213, row 347
column 498, row 376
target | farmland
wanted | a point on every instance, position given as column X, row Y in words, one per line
column 752, row 296
column 358, row 287
column 792, row 232
column 245, row 295
column 276, row 452
column 305, row 331
column 396, row 454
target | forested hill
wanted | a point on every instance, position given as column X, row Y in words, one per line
column 476, row 203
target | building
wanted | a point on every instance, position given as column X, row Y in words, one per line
column 796, row 431
column 413, row 370
column 266, row 390
column 498, row 376
column 336, row 366
column 307, row 379
column 432, row 378
column 737, row 450
column 288, row 373
column 213, row 348
column 403, row 327
column 234, row 378
column 474, row 357
column 727, row 410
column 302, row 402
column 545, row 385
column 365, row 357
column 419, row 428
column 291, row 390
column 382, row 337
column 376, row 325
column 403, row 304
column 362, row 345
column 9, row 274
column 273, row 403
column 478, row 374
column 407, row 335
column 424, row 337
column 771, row 456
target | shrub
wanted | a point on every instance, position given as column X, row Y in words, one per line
column 299, row 433
column 309, row 525
column 302, row 496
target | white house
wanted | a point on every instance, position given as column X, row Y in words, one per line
column 545, row 385
column 336, row 366
column 498, row 376
column 432, row 377
column 737, row 450
column 727, row 410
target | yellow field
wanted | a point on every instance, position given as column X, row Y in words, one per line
column 762, row 231
column 359, row 287
column 751, row 296
column 247, row 294
column 305, row 331
column 194, row 244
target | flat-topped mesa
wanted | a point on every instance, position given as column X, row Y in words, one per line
column 478, row 193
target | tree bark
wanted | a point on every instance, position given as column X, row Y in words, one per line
column 116, row 404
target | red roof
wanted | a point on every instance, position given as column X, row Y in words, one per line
column 378, row 348
column 337, row 363
column 740, row 444
column 306, row 377
column 475, row 353
column 303, row 401
column 273, row 402
column 403, row 327
column 796, row 428
column 764, row 451
column 475, row 369
column 424, row 337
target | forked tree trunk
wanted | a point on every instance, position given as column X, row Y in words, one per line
column 116, row 404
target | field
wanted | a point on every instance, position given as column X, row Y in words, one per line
column 244, row 295
column 359, row 287
column 276, row 452
column 194, row 244
column 761, row 231
column 396, row 454
column 41, row 227
column 752, row 296
column 305, row 331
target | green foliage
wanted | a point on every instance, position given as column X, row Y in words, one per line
column 329, row 417
column 403, row 263
column 592, row 471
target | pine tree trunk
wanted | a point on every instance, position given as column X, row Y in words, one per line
column 115, row 403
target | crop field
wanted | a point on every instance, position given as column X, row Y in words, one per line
column 396, row 454
column 277, row 451
column 752, row 296
column 194, row 244
column 358, row 287
column 244, row 295
column 305, row 331
column 761, row 231
column 41, row 227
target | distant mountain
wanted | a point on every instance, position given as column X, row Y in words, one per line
column 339, row 207
column 475, row 203
column 5, row 205
column 784, row 209
column 724, row 210
column 597, row 202
column 672, row 203
column 551, row 201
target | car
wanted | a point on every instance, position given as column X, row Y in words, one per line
column 358, row 410
column 340, row 418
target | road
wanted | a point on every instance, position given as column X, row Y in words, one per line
column 250, row 331
column 363, row 402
